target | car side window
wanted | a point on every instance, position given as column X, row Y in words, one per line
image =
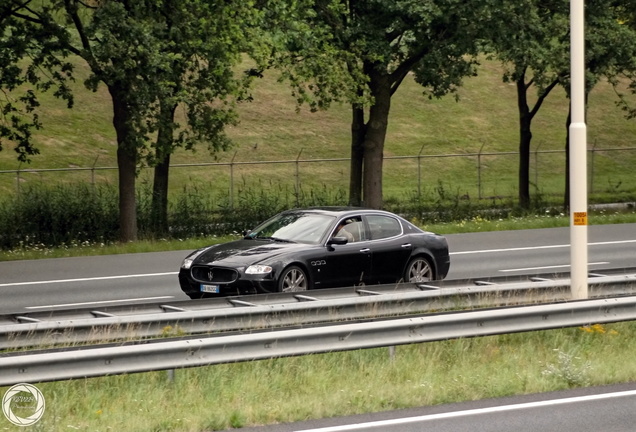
column 351, row 228
column 383, row 227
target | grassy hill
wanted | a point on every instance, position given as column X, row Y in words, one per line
column 271, row 129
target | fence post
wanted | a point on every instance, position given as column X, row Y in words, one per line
column 419, row 174
column 232, row 181
column 17, row 179
column 298, row 178
column 93, row 172
column 593, row 152
column 536, row 169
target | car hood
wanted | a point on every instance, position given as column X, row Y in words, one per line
column 245, row 252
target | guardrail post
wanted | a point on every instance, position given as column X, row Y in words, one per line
column 171, row 375
column 392, row 353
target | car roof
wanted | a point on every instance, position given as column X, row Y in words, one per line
column 344, row 211
column 338, row 210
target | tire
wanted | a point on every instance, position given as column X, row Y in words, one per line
column 293, row 279
column 419, row 270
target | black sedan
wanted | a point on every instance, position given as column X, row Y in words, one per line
column 303, row 249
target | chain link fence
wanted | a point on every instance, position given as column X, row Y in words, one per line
column 479, row 175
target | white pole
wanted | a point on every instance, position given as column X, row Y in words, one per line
column 578, row 152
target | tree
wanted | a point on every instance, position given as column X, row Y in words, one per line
column 201, row 43
column 152, row 55
column 530, row 38
column 378, row 43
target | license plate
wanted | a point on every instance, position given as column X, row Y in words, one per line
column 210, row 289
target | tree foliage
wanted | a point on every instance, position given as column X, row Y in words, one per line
column 378, row 43
column 622, row 74
column 531, row 39
column 201, row 43
column 32, row 61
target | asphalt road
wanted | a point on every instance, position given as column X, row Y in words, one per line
column 594, row 409
column 26, row 286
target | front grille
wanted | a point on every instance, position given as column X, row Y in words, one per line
column 214, row 274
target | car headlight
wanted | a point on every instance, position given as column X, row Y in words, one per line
column 258, row 269
column 187, row 262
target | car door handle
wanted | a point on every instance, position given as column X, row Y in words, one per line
column 365, row 250
column 407, row 245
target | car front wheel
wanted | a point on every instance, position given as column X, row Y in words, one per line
column 419, row 270
column 293, row 279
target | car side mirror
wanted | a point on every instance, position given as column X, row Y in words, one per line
column 338, row 241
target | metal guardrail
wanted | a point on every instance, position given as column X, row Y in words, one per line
column 161, row 355
column 314, row 307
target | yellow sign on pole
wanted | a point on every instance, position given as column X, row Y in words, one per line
column 580, row 218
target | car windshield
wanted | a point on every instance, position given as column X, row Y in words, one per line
column 293, row 227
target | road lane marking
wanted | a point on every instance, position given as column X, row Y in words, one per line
column 519, row 249
column 91, row 279
column 549, row 267
column 99, row 302
column 465, row 413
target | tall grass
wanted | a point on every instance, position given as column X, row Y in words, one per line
column 79, row 214
column 69, row 215
column 337, row 384
column 59, row 215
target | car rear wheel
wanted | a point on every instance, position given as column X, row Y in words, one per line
column 419, row 270
column 293, row 279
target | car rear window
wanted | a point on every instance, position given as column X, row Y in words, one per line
column 383, row 226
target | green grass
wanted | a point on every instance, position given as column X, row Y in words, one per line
column 337, row 384
column 270, row 129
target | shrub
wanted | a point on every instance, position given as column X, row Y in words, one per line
column 59, row 215
column 68, row 214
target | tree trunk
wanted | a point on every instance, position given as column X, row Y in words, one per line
column 357, row 156
column 159, row 206
column 163, row 150
column 127, row 166
column 525, row 138
column 374, row 137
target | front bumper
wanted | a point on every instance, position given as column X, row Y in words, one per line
column 243, row 285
